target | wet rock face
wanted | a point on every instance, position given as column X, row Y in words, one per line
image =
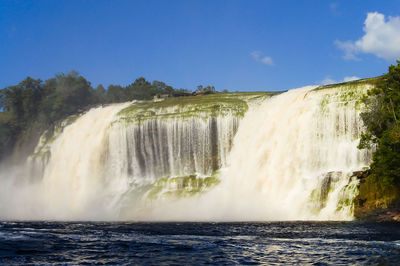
column 325, row 186
column 361, row 175
column 324, row 189
column 389, row 214
column 335, row 185
column 371, row 203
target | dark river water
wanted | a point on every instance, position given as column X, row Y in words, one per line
column 318, row 243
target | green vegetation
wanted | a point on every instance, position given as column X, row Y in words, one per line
column 381, row 119
column 42, row 150
column 352, row 92
column 319, row 195
column 185, row 186
column 32, row 106
column 347, row 195
column 353, row 84
column 203, row 106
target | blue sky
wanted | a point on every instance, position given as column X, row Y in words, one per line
column 234, row 45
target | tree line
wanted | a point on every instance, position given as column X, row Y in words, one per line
column 382, row 121
column 32, row 105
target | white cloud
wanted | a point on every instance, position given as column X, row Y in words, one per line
column 328, row 80
column 334, row 8
column 349, row 49
column 257, row 55
column 267, row 60
column 381, row 38
column 350, row 78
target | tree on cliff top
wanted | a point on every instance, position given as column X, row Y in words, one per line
column 383, row 129
column 33, row 105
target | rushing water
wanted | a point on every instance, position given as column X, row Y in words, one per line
column 289, row 158
column 284, row 150
column 334, row 243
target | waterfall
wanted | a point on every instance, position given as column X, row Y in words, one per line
column 73, row 180
column 158, row 148
column 290, row 157
column 285, row 148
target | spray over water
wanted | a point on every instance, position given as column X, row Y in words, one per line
column 289, row 158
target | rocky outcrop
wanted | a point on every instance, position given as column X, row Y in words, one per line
column 373, row 204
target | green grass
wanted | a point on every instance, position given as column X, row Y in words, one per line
column 203, row 106
column 351, row 84
column 346, row 92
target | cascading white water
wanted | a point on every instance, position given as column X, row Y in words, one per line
column 172, row 147
column 281, row 155
column 282, row 151
column 73, row 179
column 291, row 158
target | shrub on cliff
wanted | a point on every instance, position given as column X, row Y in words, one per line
column 383, row 129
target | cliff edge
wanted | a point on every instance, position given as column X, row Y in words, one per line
column 373, row 203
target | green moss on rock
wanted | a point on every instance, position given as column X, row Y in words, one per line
column 203, row 106
column 352, row 84
column 184, row 186
column 42, row 150
column 347, row 195
column 375, row 202
column 353, row 92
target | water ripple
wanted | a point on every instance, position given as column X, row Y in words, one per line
column 199, row 243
